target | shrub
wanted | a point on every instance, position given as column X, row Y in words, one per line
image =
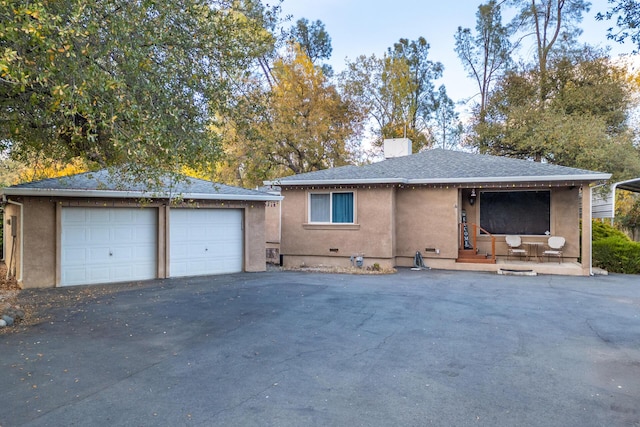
column 617, row 254
column 600, row 231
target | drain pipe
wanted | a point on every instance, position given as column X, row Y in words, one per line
column 19, row 279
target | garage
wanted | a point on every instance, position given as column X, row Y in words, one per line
column 106, row 226
column 103, row 245
column 205, row 241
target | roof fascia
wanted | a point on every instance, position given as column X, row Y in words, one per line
column 538, row 178
column 337, row 181
column 46, row 192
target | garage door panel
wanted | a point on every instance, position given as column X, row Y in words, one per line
column 123, row 216
column 122, row 233
column 146, row 234
column 97, row 215
column 122, row 254
column 205, row 241
column 179, row 250
column 98, row 274
column 76, row 256
column 97, row 255
column 76, row 233
column 101, row 245
column 98, row 235
column 76, row 275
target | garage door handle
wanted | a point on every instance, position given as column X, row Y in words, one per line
column 110, row 253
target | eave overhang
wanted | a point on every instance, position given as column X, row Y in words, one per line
column 114, row 194
column 473, row 180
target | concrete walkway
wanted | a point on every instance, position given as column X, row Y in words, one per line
column 299, row 349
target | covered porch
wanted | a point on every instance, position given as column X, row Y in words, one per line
column 536, row 216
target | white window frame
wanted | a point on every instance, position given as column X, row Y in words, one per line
column 331, row 193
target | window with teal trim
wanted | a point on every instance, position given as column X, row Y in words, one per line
column 331, row 208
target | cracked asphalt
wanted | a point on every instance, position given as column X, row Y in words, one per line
column 415, row 348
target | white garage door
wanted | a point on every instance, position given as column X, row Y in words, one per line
column 102, row 245
column 205, row 241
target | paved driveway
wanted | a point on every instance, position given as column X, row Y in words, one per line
column 296, row 349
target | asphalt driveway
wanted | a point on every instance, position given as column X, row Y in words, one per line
column 296, row 349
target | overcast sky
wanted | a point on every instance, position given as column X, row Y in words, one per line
column 368, row 27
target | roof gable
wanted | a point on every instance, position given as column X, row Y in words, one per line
column 440, row 166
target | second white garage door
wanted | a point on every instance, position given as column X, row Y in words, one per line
column 205, row 241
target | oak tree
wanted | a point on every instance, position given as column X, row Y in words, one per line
column 583, row 122
column 122, row 82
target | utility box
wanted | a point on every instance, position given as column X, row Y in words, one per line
column 14, row 225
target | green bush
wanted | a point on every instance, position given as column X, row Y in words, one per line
column 617, row 255
column 600, row 231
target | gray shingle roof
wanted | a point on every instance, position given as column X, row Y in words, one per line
column 106, row 184
column 444, row 166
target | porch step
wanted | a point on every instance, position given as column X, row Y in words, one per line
column 470, row 256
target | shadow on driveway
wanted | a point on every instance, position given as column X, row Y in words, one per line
column 292, row 349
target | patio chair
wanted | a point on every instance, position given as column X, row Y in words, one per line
column 556, row 244
column 514, row 244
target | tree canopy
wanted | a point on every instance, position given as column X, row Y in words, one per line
column 117, row 82
column 627, row 14
column 299, row 125
column 396, row 91
column 486, row 53
column 583, row 122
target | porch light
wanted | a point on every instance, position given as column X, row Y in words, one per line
column 472, row 197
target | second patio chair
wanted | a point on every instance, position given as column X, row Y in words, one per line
column 514, row 244
column 556, row 244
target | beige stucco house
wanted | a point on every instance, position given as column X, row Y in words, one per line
column 93, row 228
column 455, row 208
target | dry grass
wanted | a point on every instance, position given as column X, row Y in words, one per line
column 9, row 288
column 39, row 305
column 9, row 284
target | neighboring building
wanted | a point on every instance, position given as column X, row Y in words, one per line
column 604, row 200
column 603, row 205
column 392, row 209
column 92, row 228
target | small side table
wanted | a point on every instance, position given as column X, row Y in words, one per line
column 534, row 250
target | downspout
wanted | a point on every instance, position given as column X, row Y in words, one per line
column 590, row 237
column 19, row 279
column 280, row 225
column 3, row 238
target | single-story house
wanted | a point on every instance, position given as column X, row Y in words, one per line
column 455, row 208
column 94, row 228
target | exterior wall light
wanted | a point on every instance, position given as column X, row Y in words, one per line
column 472, row 197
